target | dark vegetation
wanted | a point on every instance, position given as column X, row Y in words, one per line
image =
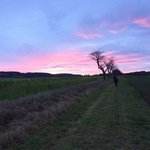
column 23, row 116
column 13, row 74
column 141, row 84
column 140, row 73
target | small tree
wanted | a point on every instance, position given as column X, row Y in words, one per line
column 100, row 60
column 110, row 65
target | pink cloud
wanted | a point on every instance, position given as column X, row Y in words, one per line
column 144, row 22
column 129, row 58
column 115, row 26
column 73, row 61
column 66, row 61
column 131, row 62
column 113, row 31
column 88, row 34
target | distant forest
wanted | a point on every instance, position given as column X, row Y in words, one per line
column 13, row 74
column 139, row 73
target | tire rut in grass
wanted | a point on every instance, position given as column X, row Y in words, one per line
column 77, row 137
column 117, row 120
column 58, row 129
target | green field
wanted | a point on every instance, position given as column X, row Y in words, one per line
column 15, row 88
column 142, row 85
column 95, row 116
column 108, row 119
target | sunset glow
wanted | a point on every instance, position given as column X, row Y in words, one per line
column 57, row 36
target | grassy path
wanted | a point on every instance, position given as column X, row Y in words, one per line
column 114, row 119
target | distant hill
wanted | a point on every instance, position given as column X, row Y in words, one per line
column 139, row 73
column 13, row 74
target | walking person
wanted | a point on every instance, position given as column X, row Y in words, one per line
column 116, row 80
column 116, row 73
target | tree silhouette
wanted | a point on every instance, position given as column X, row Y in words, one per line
column 110, row 65
column 100, row 60
column 105, row 64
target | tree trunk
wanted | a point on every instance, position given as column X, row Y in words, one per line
column 104, row 75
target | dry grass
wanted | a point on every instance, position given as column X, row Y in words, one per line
column 25, row 115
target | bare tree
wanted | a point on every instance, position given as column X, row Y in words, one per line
column 110, row 65
column 100, row 60
column 105, row 64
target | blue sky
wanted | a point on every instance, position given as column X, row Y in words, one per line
column 57, row 36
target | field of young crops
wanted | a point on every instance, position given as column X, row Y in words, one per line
column 15, row 88
column 25, row 115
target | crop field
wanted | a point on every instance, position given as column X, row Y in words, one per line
column 92, row 114
column 15, row 88
column 24, row 115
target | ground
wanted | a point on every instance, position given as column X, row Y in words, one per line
column 109, row 118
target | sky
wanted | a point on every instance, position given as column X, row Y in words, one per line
column 58, row 36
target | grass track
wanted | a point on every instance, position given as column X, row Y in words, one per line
column 114, row 118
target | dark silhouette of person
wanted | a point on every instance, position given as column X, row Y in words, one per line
column 116, row 80
column 116, row 73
